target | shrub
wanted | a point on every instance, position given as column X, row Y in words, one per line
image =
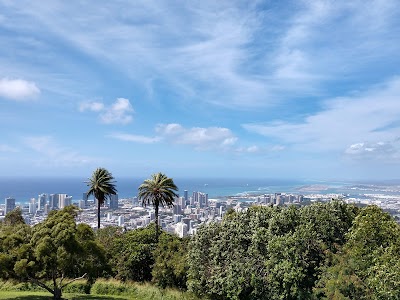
column 78, row 287
column 14, row 285
column 112, row 287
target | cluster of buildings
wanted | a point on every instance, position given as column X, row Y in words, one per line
column 183, row 218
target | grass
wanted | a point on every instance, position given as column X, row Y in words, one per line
column 143, row 292
column 5, row 295
column 102, row 289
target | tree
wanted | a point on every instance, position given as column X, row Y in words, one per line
column 170, row 262
column 367, row 266
column 159, row 190
column 101, row 186
column 53, row 250
column 94, row 263
column 14, row 217
column 14, row 242
column 266, row 252
column 131, row 254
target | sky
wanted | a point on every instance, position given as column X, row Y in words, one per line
column 256, row 89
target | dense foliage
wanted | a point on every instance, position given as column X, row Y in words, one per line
column 321, row 251
column 267, row 252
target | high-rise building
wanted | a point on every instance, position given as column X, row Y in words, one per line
column 53, row 201
column 81, row 204
column 181, row 229
column 113, row 201
column 186, row 197
column 46, row 209
column 32, row 206
column 121, row 221
column 42, row 200
column 9, row 205
column 195, row 198
column 85, row 198
column 64, row 200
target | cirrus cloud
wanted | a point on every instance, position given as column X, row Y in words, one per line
column 371, row 116
column 135, row 138
column 201, row 138
column 51, row 153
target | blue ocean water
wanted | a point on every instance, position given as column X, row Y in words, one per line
column 23, row 189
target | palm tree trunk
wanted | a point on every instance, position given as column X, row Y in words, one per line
column 98, row 214
column 157, row 227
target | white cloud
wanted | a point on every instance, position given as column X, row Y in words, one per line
column 51, row 153
column 135, row 138
column 372, row 116
column 250, row 149
column 18, row 89
column 260, row 150
column 381, row 151
column 91, row 106
column 118, row 112
column 199, row 137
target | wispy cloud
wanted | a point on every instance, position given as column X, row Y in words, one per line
column 134, row 138
column 91, row 106
column 51, row 153
column 120, row 112
column 199, row 137
column 254, row 149
column 18, row 89
column 223, row 52
column 360, row 120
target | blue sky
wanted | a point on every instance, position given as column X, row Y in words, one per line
column 283, row 89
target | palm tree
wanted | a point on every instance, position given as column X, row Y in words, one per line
column 159, row 189
column 101, row 186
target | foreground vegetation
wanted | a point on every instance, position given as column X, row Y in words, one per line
column 321, row 251
column 67, row 296
column 101, row 289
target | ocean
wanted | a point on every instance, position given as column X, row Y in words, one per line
column 23, row 189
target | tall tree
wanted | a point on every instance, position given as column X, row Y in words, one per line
column 101, row 186
column 52, row 250
column 158, row 190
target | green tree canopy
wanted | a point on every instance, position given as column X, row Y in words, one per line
column 266, row 252
column 55, row 251
column 367, row 267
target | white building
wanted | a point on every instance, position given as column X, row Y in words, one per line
column 121, row 222
column 32, row 206
column 181, row 229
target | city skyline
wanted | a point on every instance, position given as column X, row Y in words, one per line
column 292, row 89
